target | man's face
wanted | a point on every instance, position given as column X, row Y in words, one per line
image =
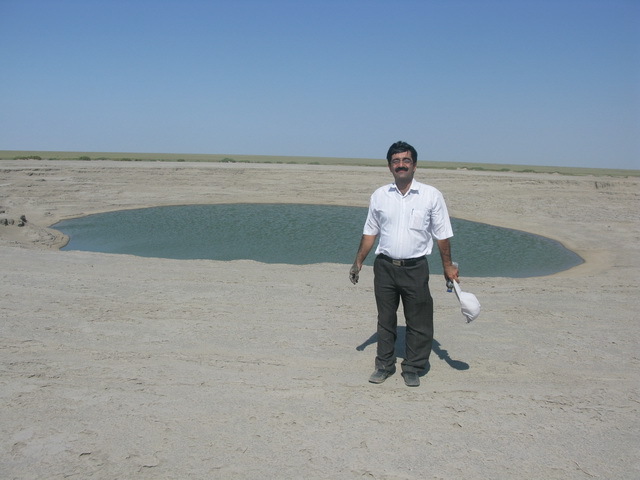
column 402, row 167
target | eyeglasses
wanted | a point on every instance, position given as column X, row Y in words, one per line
column 398, row 161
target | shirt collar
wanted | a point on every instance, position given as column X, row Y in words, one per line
column 412, row 189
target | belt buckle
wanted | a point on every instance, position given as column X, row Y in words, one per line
column 397, row 263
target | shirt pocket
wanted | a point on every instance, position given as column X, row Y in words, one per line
column 417, row 219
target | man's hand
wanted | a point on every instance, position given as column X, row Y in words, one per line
column 451, row 273
column 354, row 273
column 366, row 243
column 450, row 268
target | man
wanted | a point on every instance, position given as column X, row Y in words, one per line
column 406, row 216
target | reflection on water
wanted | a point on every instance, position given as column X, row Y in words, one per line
column 299, row 234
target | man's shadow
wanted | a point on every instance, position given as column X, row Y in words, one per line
column 400, row 350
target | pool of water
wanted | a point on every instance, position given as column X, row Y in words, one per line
column 299, row 234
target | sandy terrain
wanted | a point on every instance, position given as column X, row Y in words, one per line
column 116, row 366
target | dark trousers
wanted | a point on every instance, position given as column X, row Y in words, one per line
column 411, row 284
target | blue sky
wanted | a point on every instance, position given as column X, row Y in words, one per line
column 545, row 82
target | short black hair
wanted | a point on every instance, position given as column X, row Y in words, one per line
column 400, row 147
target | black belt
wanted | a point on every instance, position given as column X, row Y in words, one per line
column 408, row 262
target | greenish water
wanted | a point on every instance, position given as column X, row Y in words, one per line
column 299, row 234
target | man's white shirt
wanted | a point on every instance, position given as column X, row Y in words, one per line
column 407, row 224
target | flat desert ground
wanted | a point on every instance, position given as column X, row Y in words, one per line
column 116, row 366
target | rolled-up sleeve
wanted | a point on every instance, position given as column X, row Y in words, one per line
column 372, row 224
column 440, row 222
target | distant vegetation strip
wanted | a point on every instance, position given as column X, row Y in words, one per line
column 366, row 162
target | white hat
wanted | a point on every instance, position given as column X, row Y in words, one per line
column 469, row 303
